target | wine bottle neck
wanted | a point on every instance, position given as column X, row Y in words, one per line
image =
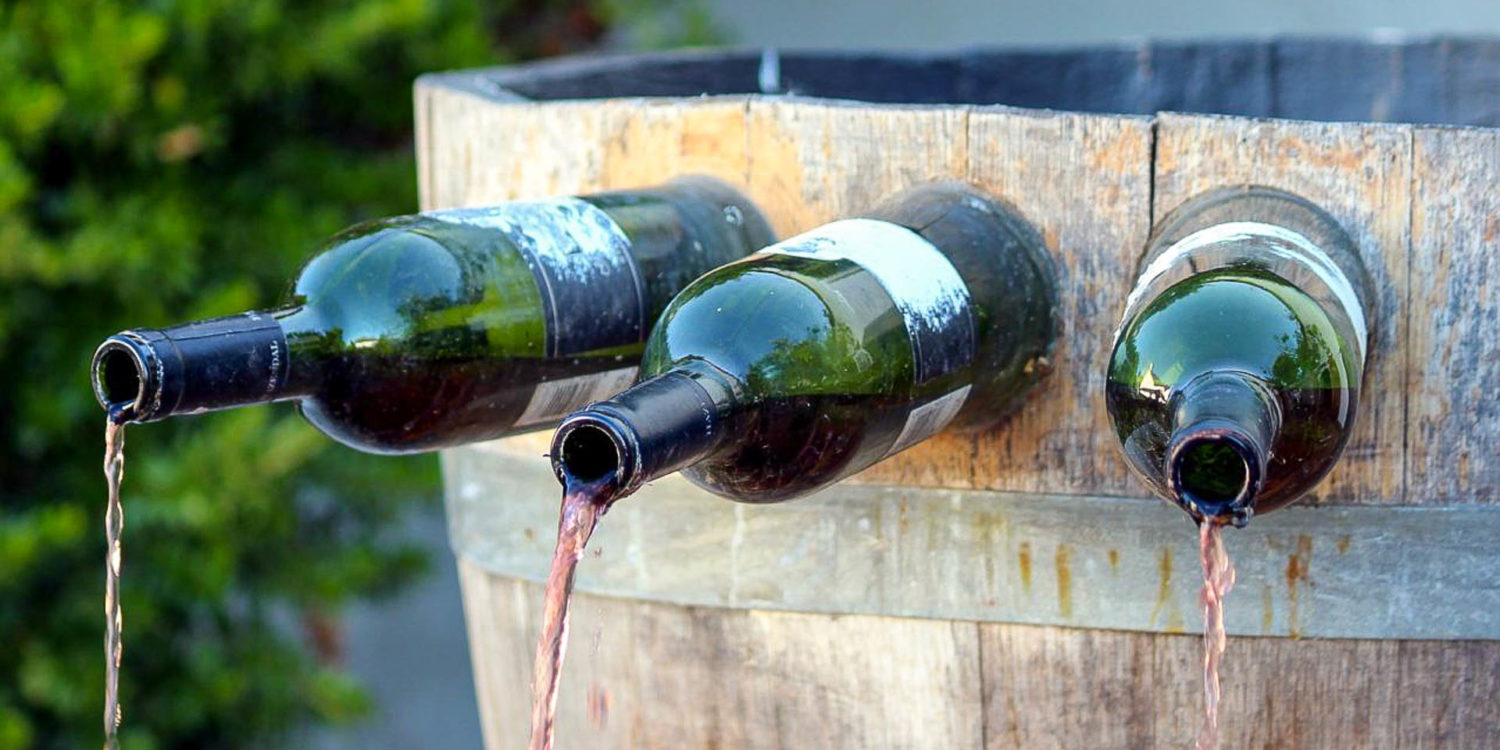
column 656, row 427
column 1223, row 426
column 144, row 375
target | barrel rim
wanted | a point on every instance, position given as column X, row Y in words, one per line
column 1432, row 80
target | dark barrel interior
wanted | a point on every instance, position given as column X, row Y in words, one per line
column 1430, row 80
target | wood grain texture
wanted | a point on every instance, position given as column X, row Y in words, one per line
column 684, row 677
column 1453, row 352
column 815, row 161
column 681, row 677
column 474, row 151
column 1360, row 173
column 1055, row 687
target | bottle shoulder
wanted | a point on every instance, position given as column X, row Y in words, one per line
column 367, row 260
column 787, row 325
column 417, row 276
column 1243, row 319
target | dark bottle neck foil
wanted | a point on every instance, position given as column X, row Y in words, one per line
column 145, row 375
column 655, row 428
column 1223, row 426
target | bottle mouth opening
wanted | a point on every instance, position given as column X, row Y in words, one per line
column 589, row 453
column 119, row 377
column 1214, row 476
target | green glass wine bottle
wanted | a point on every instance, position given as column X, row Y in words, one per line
column 426, row 331
column 1236, row 369
column 779, row 374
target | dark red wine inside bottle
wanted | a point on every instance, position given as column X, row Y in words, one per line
column 1235, row 377
column 782, row 373
column 426, row 331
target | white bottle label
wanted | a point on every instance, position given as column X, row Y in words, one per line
column 929, row 419
column 556, row 399
column 592, row 293
column 933, row 299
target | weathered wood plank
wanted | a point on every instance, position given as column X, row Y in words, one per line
column 476, row 151
column 815, row 161
column 680, row 677
column 1360, row 173
column 496, row 618
column 651, row 142
column 1043, row 687
column 1084, row 182
column 1067, row 560
column 683, row 677
column 1055, row 687
column 1457, row 691
column 1453, row 351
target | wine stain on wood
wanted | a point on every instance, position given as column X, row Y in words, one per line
column 1064, row 581
column 1023, row 559
column 598, row 706
column 1267, row 610
column 1175, row 624
column 1164, row 591
column 1296, row 575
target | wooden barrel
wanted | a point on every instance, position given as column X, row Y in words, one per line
column 1016, row 588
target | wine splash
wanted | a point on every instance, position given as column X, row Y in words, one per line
column 1218, row 579
column 582, row 505
column 114, row 525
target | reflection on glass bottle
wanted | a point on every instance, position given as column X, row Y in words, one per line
column 787, row 371
column 1236, row 369
column 425, row 331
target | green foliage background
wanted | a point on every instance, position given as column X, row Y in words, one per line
column 165, row 160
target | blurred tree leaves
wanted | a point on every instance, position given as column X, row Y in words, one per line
column 163, row 160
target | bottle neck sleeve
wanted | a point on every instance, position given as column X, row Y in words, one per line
column 1223, row 427
column 144, row 375
column 657, row 427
